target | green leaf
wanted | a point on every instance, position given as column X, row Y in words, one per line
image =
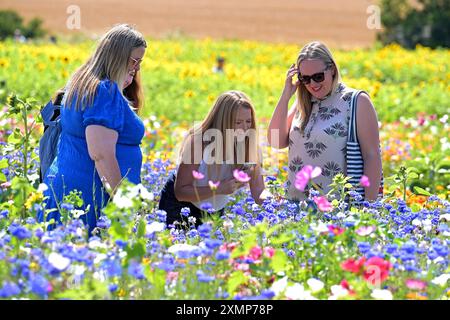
column 279, row 261
column 236, row 279
column 283, row 238
column 2, row 177
column 136, row 250
column 4, row 163
column 141, row 228
column 419, row 190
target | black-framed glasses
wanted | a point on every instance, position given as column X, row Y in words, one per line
column 317, row 77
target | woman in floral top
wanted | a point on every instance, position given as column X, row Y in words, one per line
column 316, row 126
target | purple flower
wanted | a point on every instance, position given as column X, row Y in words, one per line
column 241, row 176
column 364, row 181
column 304, row 175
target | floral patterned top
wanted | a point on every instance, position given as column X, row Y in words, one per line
column 323, row 143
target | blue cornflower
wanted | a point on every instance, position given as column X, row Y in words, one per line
column 222, row 255
column 391, row 248
column 202, row 277
column 409, row 247
column 39, row 285
column 270, row 178
column 67, row 206
column 291, row 253
column 103, row 222
column 267, row 294
column 9, row 289
column 204, row 230
column 206, row 206
column 136, row 270
column 364, row 247
column 192, row 233
column 20, row 232
column 185, row 211
column 121, row 244
column 4, row 214
column 113, row 287
column 112, row 267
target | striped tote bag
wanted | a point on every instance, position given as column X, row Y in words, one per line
column 355, row 163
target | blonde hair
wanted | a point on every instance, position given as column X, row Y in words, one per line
column 314, row 51
column 110, row 60
column 222, row 116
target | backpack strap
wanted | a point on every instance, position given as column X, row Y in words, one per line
column 48, row 113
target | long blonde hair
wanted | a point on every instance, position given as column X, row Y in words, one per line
column 314, row 51
column 222, row 116
column 110, row 60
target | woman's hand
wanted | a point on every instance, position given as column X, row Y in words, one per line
column 289, row 87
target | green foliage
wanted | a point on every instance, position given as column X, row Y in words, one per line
column 426, row 23
column 10, row 21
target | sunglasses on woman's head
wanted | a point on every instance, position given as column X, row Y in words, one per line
column 317, row 77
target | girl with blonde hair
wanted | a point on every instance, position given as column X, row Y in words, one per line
column 101, row 131
column 217, row 158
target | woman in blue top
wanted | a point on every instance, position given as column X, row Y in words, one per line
column 101, row 132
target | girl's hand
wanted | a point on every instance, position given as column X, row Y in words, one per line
column 229, row 186
column 289, row 87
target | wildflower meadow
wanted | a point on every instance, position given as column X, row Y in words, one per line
column 393, row 248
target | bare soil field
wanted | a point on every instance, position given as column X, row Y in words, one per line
column 340, row 23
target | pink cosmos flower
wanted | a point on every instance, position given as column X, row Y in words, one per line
column 241, row 176
column 269, row 252
column 323, row 204
column 336, row 230
column 415, row 284
column 255, row 253
column 365, row 231
column 364, row 181
column 304, row 175
column 213, row 185
column 197, row 175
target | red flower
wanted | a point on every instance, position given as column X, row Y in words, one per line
column 376, row 271
column 353, row 265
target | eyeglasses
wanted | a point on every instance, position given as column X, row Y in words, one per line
column 136, row 62
column 317, row 77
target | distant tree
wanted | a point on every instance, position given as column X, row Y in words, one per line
column 427, row 22
column 10, row 21
column 34, row 29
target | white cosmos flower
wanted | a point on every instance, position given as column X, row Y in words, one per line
column 42, row 187
column 380, row 294
column 337, row 292
column 122, row 201
column 279, row 286
column 315, row 285
column 145, row 194
column 154, row 227
column 442, row 280
column 298, row 292
column 58, row 261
